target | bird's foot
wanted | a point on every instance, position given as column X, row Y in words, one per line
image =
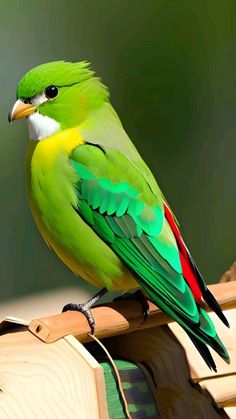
column 82, row 308
column 86, row 308
column 138, row 296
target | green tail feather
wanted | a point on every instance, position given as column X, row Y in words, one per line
column 139, row 234
column 204, row 351
column 201, row 334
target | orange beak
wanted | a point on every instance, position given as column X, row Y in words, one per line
column 21, row 110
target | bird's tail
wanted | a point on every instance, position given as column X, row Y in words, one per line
column 205, row 335
column 202, row 333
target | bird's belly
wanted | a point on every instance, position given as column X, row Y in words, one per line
column 52, row 196
column 84, row 252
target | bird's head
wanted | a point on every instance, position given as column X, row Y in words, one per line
column 56, row 96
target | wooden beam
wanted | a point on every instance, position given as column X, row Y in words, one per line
column 116, row 318
column 62, row 380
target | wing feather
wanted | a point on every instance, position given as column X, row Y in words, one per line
column 135, row 226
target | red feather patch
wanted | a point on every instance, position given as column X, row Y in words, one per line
column 189, row 273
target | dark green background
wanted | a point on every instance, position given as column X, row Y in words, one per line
column 171, row 70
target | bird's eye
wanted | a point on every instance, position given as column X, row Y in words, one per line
column 51, row 92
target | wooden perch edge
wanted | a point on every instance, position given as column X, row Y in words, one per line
column 116, row 318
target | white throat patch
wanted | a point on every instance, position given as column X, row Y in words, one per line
column 41, row 126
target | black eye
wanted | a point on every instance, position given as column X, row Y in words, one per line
column 51, row 92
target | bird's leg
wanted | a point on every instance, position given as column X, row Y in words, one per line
column 86, row 308
column 138, row 296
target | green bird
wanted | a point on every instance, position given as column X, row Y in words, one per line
column 97, row 204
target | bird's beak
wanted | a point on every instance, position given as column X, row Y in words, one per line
column 21, row 110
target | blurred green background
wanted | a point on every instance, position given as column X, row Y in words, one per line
column 171, row 70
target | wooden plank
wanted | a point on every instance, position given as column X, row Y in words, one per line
column 98, row 374
column 48, row 381
column 222, row 389
column 198, row 367
column 231, row 412
column 116, row 318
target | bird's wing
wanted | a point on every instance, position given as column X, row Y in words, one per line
column 117, row 202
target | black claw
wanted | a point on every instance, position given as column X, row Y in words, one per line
column 82, row 308
column 140, row 297
column 86, row 308
column 144, row 303
column 71, row 307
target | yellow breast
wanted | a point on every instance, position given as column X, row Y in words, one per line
column 47, row 149
column 47, row 164
column 51, row 181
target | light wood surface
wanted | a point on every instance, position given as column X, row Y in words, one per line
column 198, row 367
column 116, row 318
column 221, row 385
column 49, row 381
column 33, row 376
column 231, row 412
column 124, row 317
column 223, row 389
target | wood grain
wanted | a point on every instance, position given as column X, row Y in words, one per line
column 49, row 381
column 62, row 380
column 116, row 318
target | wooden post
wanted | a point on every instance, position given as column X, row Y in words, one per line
column 116, row 318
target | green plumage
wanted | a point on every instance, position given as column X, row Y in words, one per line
column 141, row 236
column 98, row 205
column 59, row 73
